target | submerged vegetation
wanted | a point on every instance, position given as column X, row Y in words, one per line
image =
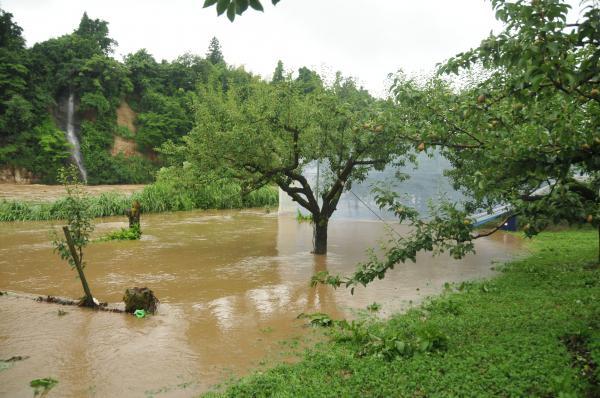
column 130, row 233
column 41, row 387
column 77, row 231
column 534, row 330
column 167, row 194
column 154, row 199
column 303, row 217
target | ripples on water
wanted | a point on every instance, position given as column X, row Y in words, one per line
column 230, row 283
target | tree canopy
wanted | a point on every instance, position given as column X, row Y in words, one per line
column 214, row 54
column 521, row 128
column 260, row 133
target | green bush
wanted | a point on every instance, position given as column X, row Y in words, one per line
column 131, row 233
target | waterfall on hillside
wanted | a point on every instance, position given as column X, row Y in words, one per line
column 72, row 137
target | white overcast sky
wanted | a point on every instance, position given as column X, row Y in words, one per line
column 366, row 39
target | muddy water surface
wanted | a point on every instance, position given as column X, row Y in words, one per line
column 231, row 284
column 49, row 193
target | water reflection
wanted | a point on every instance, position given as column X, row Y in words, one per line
column 231, row 285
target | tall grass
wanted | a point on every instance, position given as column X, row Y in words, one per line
column 158, row 197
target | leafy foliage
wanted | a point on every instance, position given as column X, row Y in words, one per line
column 278, row 73
column 174, row 190
column 38, row 79
column 532, row 120
column 259, row 133
column 41, row 387
column 164, row 118
column 318, row 319
column 521, row 129
column 373, row 339
column 131, row 233
column 235, row 7
column 78, row 217
column 304, row 218
column 77, row 231
column 96, row 30
column 214, row 54
column 27, row 136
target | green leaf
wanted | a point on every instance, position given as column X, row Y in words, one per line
column 231, row 11
column 536, row 81
column 256, row 5
column 208, row 3
column 400, row 346
column 222, row 5
column 241, row 6
column 46, row 383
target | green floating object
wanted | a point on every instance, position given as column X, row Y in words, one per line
column 140, row 313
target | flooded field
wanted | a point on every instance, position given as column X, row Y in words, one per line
column 231, row 284
column 49, row 193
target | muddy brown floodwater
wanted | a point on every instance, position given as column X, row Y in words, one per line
column 49, row 193
column 231, row 284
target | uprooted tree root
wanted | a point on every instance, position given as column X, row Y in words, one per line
column 80, row 303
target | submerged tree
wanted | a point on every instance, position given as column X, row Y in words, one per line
column 523, row 130
column 261, row 134
column 78, row 229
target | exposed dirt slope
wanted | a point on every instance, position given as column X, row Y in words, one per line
column 125, row 118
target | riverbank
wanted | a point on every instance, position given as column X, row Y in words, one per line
column 532, row 331
column 46, row 202
column 41, row 193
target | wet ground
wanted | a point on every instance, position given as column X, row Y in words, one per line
column 231, row 284
column 49, row 193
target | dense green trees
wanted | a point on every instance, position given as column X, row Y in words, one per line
column 260, row 133
column 35, row 82
column 37, row 79
column 28, row 137
column 97, row 31
column 164, row 118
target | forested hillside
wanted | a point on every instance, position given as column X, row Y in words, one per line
column 124, row 109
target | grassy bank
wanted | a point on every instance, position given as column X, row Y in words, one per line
column 157, row 197
column 532, row 331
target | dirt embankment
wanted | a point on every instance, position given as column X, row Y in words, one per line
column 125, row 118
column 48, row 193
column 16, row 175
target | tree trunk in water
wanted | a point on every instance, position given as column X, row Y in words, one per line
column 89, row 299
column 320, row 243
column 134, row 214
